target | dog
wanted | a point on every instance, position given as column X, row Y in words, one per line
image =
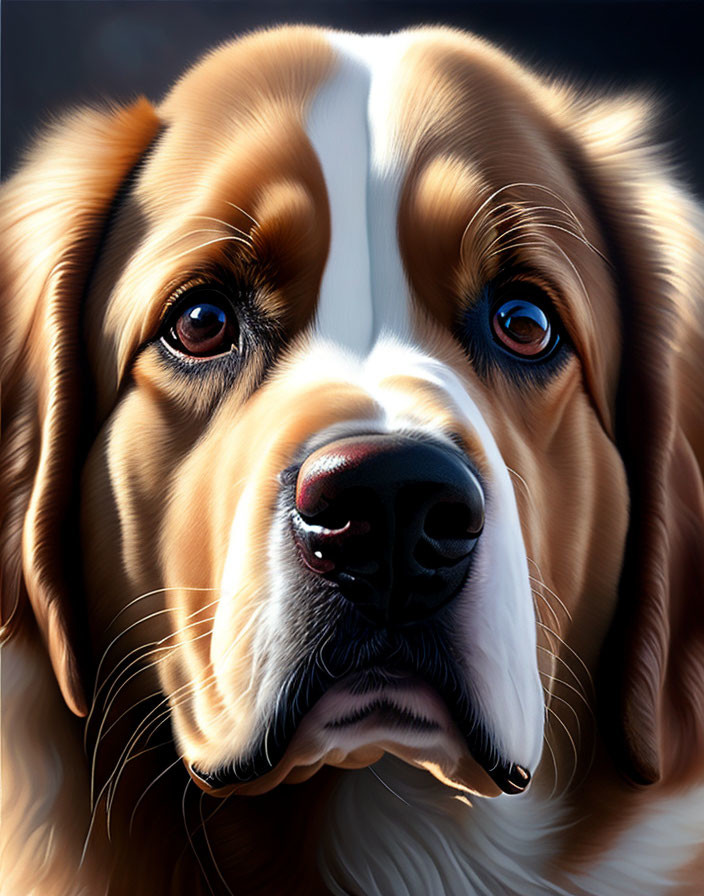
column 352, row 505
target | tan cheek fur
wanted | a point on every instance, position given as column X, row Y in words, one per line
column 174, row 532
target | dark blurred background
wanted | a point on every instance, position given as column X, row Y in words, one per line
column 56, row 53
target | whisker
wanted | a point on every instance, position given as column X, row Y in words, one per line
column 149, row 721
column 149, row 787
column 573, row 711
column 151, row 594
column 554, row 764
column 130, row 628
column 510, row 186
column 221, row 803
column 156, row 647
column 548, row 605
column 222, row 239
column 575, row 271
column 532, row 225
column 207, row 843
column 143, row 669
column 114, row 779
column 243, row 212
column 579, row 693
column 175, row 699
column 190, row 838
column 564, row 662
column 384, row 784
column 524, row 209
column 517, row 244
column 581, row 662
column 542, row 584
column 572, row 745
column 97, row 688
column 521, row 480
column 319, row 659
column 227, row 224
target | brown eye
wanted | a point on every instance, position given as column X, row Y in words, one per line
column 523, row 328
column 203, row 325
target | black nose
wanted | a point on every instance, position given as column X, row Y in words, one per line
column 391, row 520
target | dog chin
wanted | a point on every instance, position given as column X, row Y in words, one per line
column 349, row 730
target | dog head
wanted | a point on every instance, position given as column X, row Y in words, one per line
column 384, row 337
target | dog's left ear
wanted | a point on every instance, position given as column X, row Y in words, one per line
column 652, row 674
column 52, row 217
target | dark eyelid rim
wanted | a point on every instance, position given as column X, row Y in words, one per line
column 176, row 295
column 179, row 303
column 475, row 333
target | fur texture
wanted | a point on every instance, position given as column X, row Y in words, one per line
column 364, row 205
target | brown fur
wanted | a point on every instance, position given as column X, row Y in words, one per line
column 607, row 459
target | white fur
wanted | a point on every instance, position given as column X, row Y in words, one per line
column 351, row 127
column 338, row 131
column 395, row 831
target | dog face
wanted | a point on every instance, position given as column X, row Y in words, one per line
column 355, row 339
column 356, row 299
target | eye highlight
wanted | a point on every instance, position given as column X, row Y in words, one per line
column 523, row 322
column 523, row 328
column 202, row 324
column 513, row 327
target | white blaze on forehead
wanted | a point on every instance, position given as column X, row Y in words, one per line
column 352, row 129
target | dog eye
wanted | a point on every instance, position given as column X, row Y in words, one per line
column 524, row 328
column 202, row 325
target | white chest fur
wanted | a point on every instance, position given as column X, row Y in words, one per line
column 394, row 831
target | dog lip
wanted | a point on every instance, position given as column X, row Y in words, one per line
column 375, row 693
column 510, row 777
column 391, row 713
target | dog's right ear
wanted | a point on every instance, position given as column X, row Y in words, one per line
column 651, row 680
column 52, row 217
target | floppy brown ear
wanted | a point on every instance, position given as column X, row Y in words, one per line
column 652, row 672
column 52, row 215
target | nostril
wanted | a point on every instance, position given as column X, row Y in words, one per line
column 322, row 548
column 334, row 532
column 453, row 520
column 334, row 512
column 450, row 528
